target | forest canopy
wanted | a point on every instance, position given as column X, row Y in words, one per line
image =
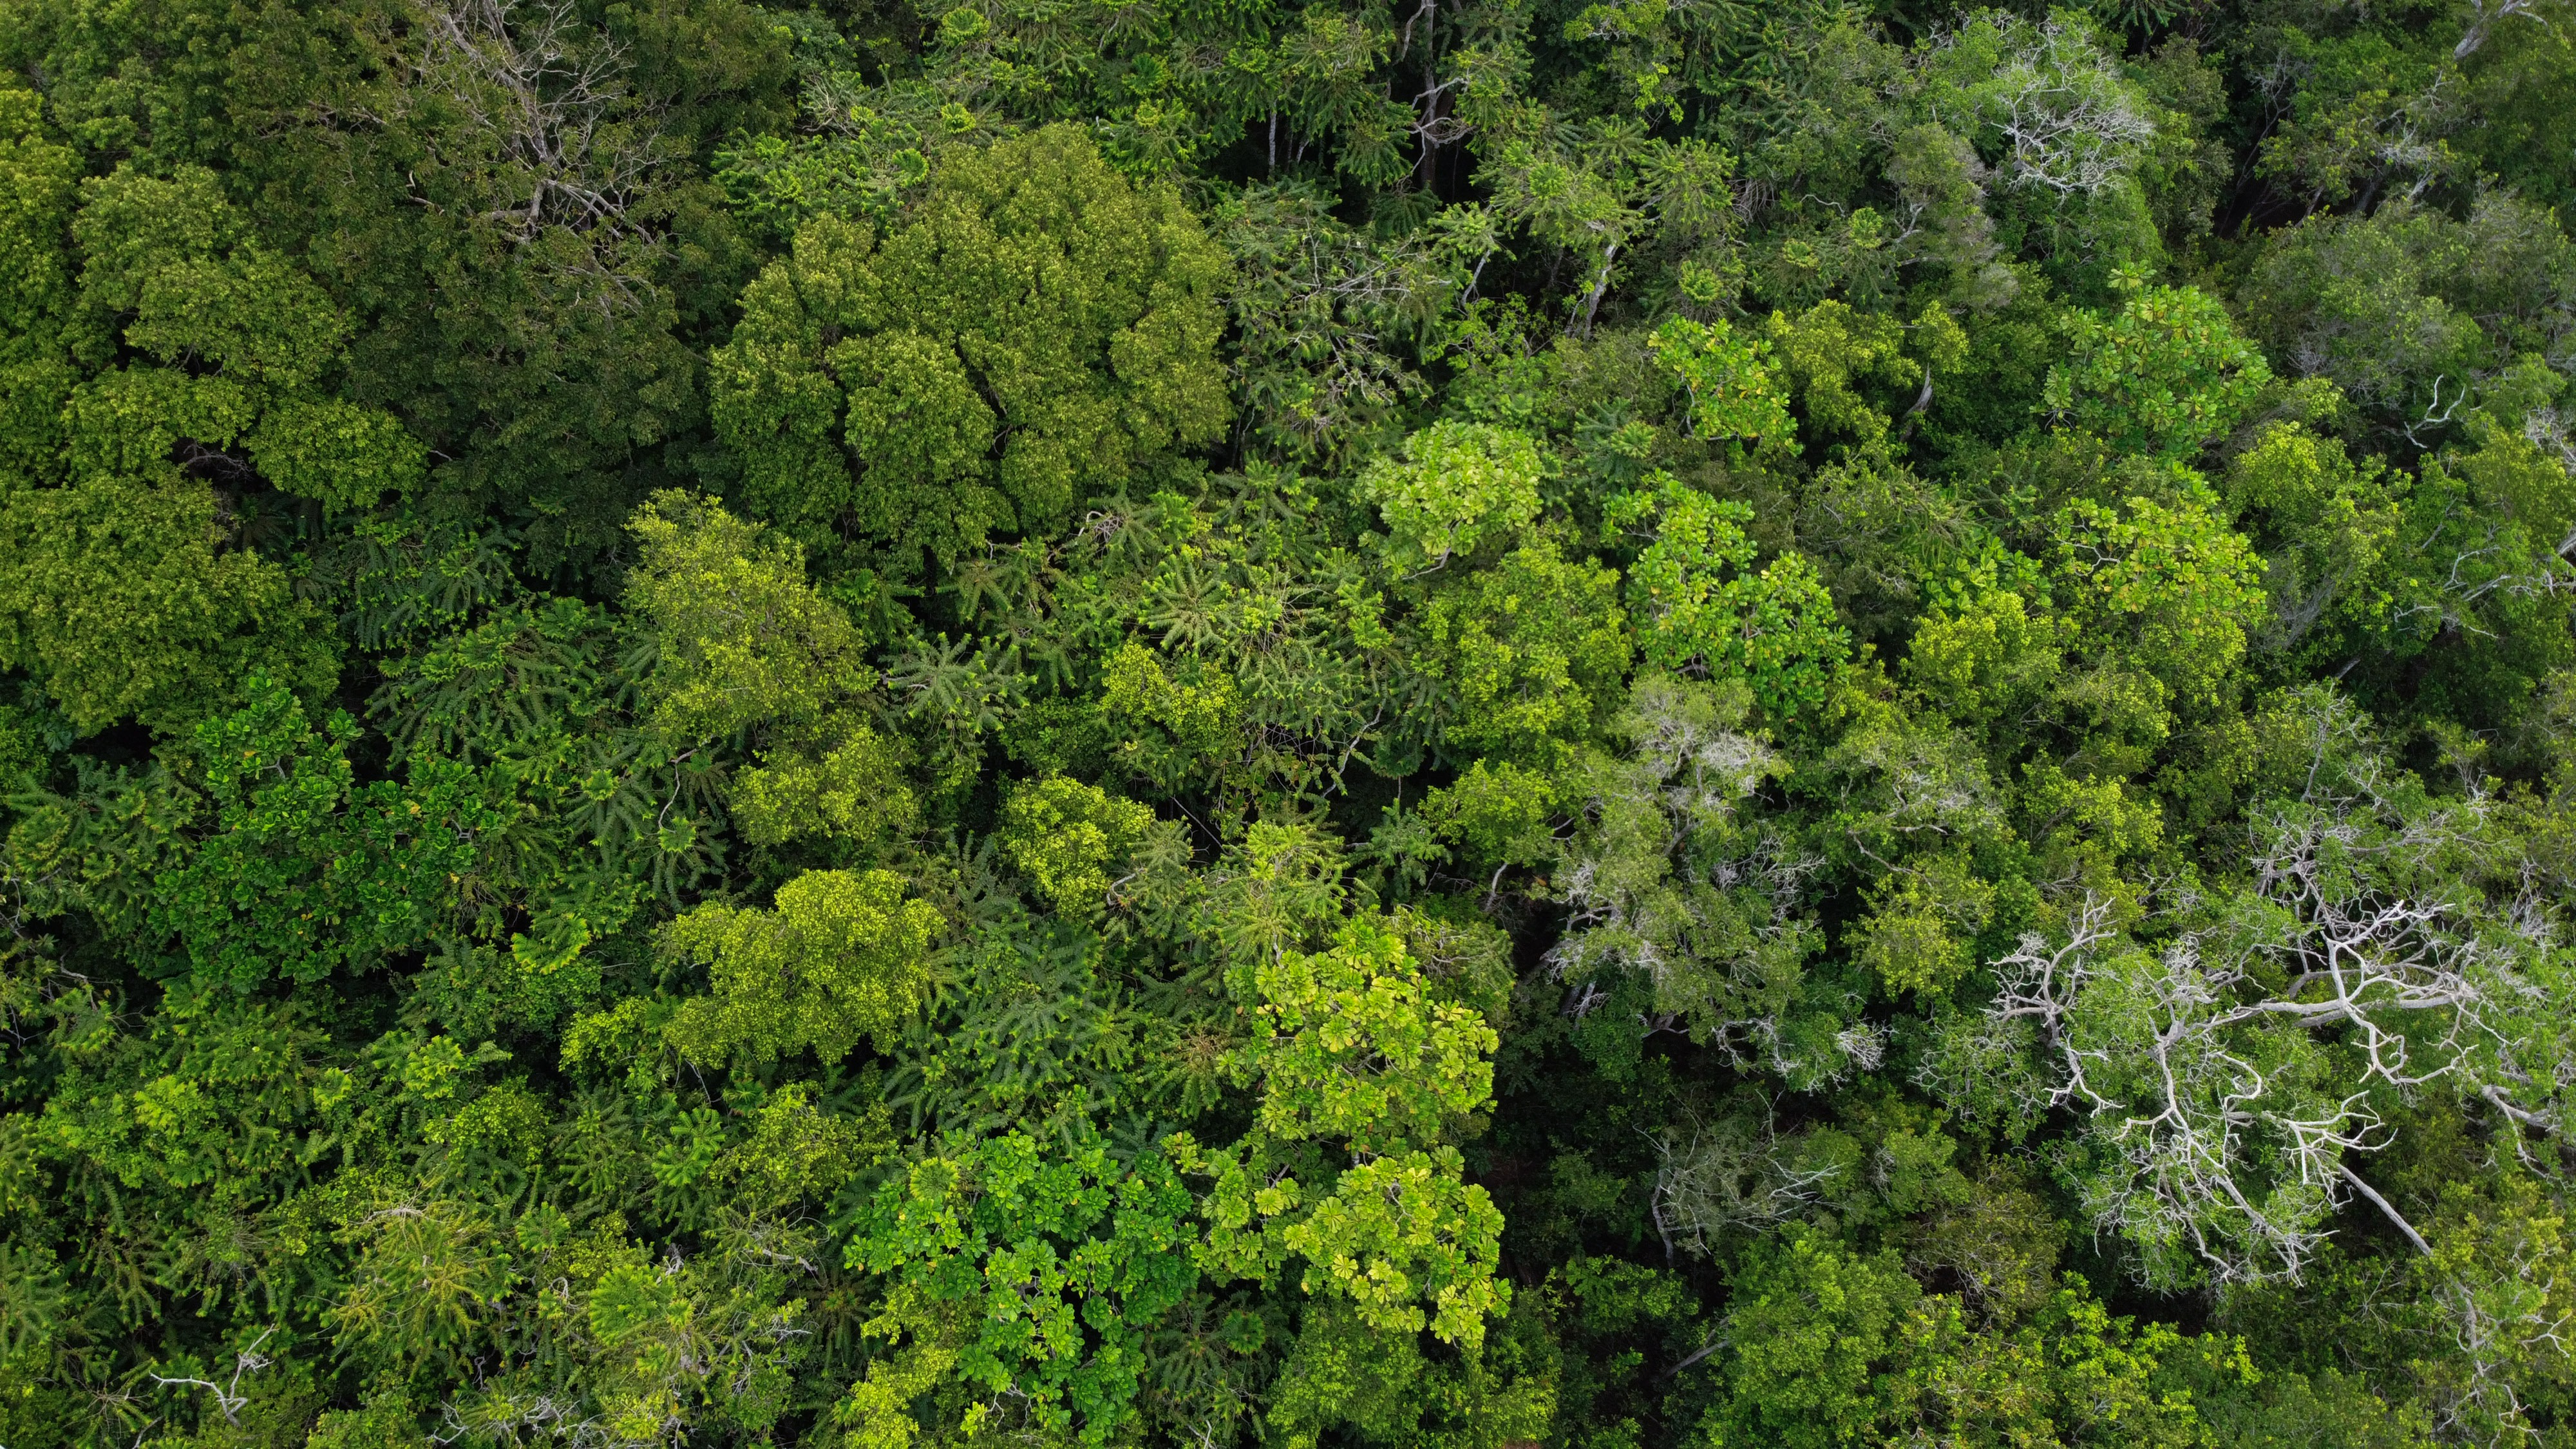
column 1659, row 724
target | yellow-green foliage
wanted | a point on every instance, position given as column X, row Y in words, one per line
column 1530, row 647
column 119, row 595
column 1353, row 1051
column 1457, row 485
column 856, row 791
column 741, row 638
column 1352, row 1047
column 1066, row 837
column 841, row 957
column 1195, row 724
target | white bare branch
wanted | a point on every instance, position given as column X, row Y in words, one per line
column 2216, row 1125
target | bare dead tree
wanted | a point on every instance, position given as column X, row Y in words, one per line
column 2213, row 1121
column 229, row 1397
column 561, row 151
column 2486, row 15
column 1732, row 1175
column 2068, row 124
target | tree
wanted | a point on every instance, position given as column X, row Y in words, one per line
column 307, row 871
column 1732, row 390
column 1066, row 836
column 1829, row 1346
column 1675, row 886
column 740, row 638
column 2164, row 376
column 2220, row 1123
column 124, row 589
column 1529, row 649
column 121, row 596
column 742, row 644
column 1035, row 329
column 2168, row 589
column 2331, row 527
column 841, row 957
column 1063, row 1266
column 1334, row 321
column 1458, row 485
column 1352, row 1050
column 40, row 178
column 1774, row 630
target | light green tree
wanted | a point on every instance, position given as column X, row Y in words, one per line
column 740, row 638
column 1704, row 607
column 1734, row 389
column 1360, row 1073
column 1066, row 837
column 121, row 595
column 2166, row 588
column 1532, row 650
column 1456, row 486
column 144, row 325
column 744, row 646
column 841, row 957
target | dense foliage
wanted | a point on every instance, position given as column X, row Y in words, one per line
column 1477, row 723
